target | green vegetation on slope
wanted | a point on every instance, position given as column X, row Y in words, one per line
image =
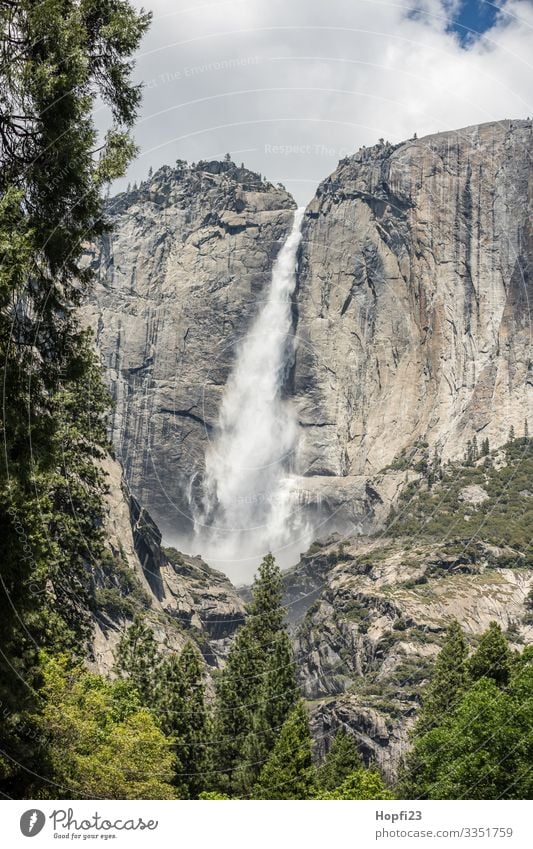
column 438, row 512
column 473, row 739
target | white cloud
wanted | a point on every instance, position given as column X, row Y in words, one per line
column 321, row 78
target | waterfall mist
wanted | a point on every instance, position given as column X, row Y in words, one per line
column 250, row 502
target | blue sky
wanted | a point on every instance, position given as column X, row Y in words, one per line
column 289, row 87
column 474, row 16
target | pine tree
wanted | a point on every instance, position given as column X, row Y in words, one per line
column 511, row 436
column 137, row 658
column 341, row 760
column 483, row 748
column 526, row 429
column 288, row 772
column 257, row 687
column 493, row 659
column 442, row 695
column 448, row 681
column 485, row 447
column 279, row 690
column 265, row 613
column 57, row 59
column 179, row 704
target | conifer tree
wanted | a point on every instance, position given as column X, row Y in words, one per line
column 182, row 713
column 442, row 695
column 482, row 749
column 279, row 690
column 448, row 680
column 341, row 760
column 289, row 772
column 57, row 59
column 493, row 657
column 137, row 658
column 257, row 688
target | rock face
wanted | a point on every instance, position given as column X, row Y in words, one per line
column 377, row 612
column 414, row 304
column 412, row 311
column 181, row 597
column 178, row 283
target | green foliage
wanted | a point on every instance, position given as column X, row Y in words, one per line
column 493, row 658
column 360, row 784
column 289, row 773
column 57, row 59
column 341, row 761
column 256, row 689
column 137, row 658
column 212, row 795
column 179, row 705
column 118, row 590
column 101, row 742
column 172, row 687
column 448, row 681
column 505, row 518
column 482, row 747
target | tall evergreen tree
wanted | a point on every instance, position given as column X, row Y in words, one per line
column 289, row 772
column 493, row 658
column 442, row 695
column 341, row 761
column 57, row 59
column 482, row 747
column 257, row 688
column 448, row 680
column 137, row 658
column 182, row 713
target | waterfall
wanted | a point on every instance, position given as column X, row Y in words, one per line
column 250, row 502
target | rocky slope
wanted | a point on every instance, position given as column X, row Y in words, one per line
column 368, row 615
column 178, row 282
column 181, row 597
column 414, row 306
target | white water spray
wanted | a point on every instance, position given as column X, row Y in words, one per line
column 251, row 505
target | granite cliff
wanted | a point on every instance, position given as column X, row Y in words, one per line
column 180, row 596
column 412, row 370
column 177, row 284
column 414, row 307
column 412, row 314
